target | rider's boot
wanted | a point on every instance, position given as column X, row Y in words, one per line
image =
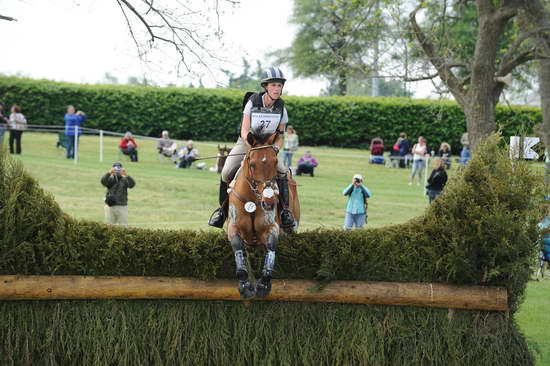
column 287, row 220
column 220, row 215
column 263, row 286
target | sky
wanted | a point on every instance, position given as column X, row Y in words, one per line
column 80, row 40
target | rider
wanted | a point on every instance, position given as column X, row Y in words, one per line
column 267, row 103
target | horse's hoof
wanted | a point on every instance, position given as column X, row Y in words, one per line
column 246, row 290
column 263, row 288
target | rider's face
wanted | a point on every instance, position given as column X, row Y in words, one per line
column 274, row 89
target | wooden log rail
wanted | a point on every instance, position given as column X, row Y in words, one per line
column 350, row 292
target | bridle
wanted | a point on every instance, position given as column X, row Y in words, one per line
column 253, row 183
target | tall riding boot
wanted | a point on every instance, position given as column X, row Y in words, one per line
column 220, row 215
column 287, row 220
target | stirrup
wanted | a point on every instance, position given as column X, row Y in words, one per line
column 217, row 219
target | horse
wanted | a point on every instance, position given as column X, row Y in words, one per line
column 222, row 156
column 254, row 213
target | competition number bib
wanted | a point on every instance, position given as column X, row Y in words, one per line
column 264, row 123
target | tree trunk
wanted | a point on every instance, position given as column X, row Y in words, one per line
column 537, row 16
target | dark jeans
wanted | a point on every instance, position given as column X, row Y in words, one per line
column 432, row 194
column 132, row 152
column 304, row 169
column 15, row 135
column 186, row 162
column 71, row 147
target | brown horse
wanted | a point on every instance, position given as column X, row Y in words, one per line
column 222, row 156
column 254, row 213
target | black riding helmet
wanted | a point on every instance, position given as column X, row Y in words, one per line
column 272, row 75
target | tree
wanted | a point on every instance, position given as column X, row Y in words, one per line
column 331, row 36
column 108, row 78
column 248, row 79
column 186, row 26
column 535, row 18
column 475, row 86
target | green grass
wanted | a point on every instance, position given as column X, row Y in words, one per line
column 169, row 198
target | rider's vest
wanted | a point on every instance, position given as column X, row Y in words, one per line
column 263, row 120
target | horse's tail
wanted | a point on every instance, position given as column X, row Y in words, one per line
column 294, row 201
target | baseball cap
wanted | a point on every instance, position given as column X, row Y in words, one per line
column 358, row 176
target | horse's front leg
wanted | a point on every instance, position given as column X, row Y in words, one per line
column 237, row 243
column 271, row 238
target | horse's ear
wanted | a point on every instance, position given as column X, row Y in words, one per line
column 250, row 139
column 271, row 139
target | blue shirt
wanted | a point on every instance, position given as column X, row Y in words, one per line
column 465, row 155
column 72, row 120
column 546, row 239
column 356, row 199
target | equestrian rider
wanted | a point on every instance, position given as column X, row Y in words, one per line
column 259, row 106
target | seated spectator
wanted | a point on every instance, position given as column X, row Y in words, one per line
column 187, row 155
column 377, row 151
column 128, row 146
column 167, row 147
column 306, row 164
column 437, row 180
column 465, row 155
column 445, row 154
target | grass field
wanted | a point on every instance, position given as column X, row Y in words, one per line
column 169, row 198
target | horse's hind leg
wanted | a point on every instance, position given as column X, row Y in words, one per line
column 263, row 286
column 245, row 287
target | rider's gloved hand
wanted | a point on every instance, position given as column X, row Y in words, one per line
column 276, row 148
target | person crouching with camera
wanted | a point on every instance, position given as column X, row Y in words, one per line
column 356, row 209
column 117, row 182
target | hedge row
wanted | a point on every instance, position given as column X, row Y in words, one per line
column 175, row 333
column 481, row 230
column 214, row 114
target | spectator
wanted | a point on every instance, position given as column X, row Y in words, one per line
column 437, row 180
column 4, row 120
column 117, row 182
column 17, row 124
column 420, row 151
column 404, row 148
column 73, row 120
column 306, row 164
column 167, row 147
column 356, row 209
column 377, row 151
column 290, row 146
column 545, row 249
column 445, row 154
column 128, row 146
column 465, row 155
column 188, row 154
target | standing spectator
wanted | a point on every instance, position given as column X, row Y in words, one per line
column 290, row 146
column 445, row 154
column 187, row 154
column 377, row 151
column 117, row 182
column 420, row 151
column 307, row 164
column 404, row 148
column 17, row 124
column 73, row 120
column 4, row 121
column 465, row 155
column 437, row 180
column 356, row 209
column 128, row 146
column 167, row 147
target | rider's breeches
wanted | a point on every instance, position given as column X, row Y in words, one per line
column 232, row 163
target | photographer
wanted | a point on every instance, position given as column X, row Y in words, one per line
column 117, row 182
column 356, row 210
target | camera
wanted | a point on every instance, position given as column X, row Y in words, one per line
column 357, row 180
column 118, row 169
